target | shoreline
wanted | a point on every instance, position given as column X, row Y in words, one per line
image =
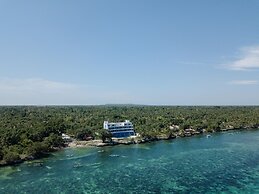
column 127, row 141
column 142, row 140
column 89, row 143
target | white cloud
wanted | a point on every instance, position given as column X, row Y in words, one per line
column 244, row 82
column 248, row 60
column 35, row 91
column 34, row 85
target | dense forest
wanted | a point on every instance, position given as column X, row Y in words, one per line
column 31, row 132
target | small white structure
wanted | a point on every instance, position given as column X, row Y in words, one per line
column 66, row 137
column 174, row 127
column 120, row 129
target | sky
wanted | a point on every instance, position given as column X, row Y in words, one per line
column 153, row 52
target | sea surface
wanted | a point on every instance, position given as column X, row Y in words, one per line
column 223, row 163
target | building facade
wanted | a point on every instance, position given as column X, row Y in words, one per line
column 120, row 129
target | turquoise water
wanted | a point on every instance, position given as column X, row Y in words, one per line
column 225, row 163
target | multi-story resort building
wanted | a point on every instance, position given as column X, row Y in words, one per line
column 120, row 129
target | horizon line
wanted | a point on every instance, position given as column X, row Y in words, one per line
column 162, row 105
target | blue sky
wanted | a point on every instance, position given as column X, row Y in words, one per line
column 173, row 52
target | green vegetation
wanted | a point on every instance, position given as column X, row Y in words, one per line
column 31, row 132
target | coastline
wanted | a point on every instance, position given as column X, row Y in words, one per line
column 126, row 141
column 89, row 143
column 117, row 141
column 141, row 140
column 188, row 160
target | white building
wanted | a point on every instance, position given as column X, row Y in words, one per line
column 120, row 129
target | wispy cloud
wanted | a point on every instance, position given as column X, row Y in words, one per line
column 244, row 82
column 191, row 63
column 34, row 85
column 37, row 91
column 248, row 59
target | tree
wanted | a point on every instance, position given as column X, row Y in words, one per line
column 11, row 157
column 38, row 149
column 106, row 136
column 1, row 154
column 54, row 140
column 83, row 133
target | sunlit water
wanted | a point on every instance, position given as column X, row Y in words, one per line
column 224, row 163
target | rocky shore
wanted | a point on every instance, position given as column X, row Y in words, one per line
column 117, row 141
column 125, row 141
column 141, row 140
